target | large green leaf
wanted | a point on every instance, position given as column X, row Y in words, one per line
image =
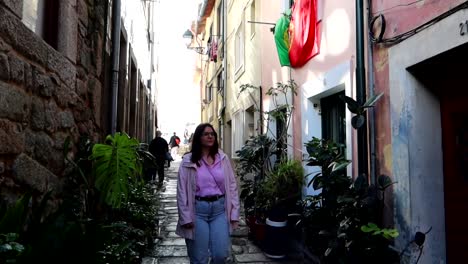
column 372, row 100
column 352, row 105
column 384, row 181
column 357, row 121
column 361, row 184
column 115, row 164
column 15, row 216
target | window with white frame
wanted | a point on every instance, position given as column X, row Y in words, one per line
column 237, row 132
column 239, row 52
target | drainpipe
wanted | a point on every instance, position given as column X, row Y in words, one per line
column 115, row 62
column 223, row 114
column 261, row 110
column 370, row 111
column 361, row 87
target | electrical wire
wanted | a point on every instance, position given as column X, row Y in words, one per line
column 399, row 38
column 393, row 7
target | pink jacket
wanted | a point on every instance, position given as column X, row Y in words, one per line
column 186, row 188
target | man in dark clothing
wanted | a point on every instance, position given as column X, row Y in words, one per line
column 174, row 144
column 158, row 147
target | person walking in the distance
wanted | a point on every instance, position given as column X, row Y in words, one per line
column 174, row 142
column 159, row 147
column 207, row 199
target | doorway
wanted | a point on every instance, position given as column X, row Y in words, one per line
column 454, row 112
column 444, row 75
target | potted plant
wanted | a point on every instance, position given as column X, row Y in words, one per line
column 253, row 163
column 343, row 222
column 281, row 190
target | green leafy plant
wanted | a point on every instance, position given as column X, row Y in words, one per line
column 86, row 228
column 282, row 188
column 335, row 219
column 281, row 111
column 388, row 233
column 254, row 161
column 10, row 249
column 354, row 107
column 260, row 153
column 12, row 221
column 116, row 165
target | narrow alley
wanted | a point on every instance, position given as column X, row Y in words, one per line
column 170, row 248
column 344, row 123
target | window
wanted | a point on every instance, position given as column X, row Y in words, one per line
column 209, row 93
column 287, row 4
column 252, row 18
column 239, row 52
column 220, row 82
column 281, row 134
column 249, row 120
column 220, row 22
column 333, row 118
column 41, row 16
column 109, row 27
column 237, row 133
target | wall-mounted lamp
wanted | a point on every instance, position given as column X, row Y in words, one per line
column 188, row 38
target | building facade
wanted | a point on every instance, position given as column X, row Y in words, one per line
column 413, row 54
column 421, row 124
column 57, row 79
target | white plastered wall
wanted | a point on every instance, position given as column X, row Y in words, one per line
column 335, row 80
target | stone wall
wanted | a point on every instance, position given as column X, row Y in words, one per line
column 47, row 94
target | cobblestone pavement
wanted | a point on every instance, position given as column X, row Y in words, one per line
column 170, row 248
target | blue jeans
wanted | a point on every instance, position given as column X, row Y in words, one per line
column 211, row 237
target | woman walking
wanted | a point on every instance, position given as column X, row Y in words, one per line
column 207, row 199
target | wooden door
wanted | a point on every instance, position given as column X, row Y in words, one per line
column 454, row 112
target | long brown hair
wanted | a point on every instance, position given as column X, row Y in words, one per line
column 197, row 145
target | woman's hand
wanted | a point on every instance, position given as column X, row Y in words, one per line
column 188, row 225
column 234, row 224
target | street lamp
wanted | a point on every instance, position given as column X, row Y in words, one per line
column 188, row 38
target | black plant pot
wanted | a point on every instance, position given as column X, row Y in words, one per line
column 276, row 234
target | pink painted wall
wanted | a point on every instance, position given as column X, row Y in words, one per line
column 337, row 47
column 400, row 18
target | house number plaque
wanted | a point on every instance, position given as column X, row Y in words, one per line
column 464, row 28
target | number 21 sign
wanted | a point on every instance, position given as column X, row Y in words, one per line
column 464, row 28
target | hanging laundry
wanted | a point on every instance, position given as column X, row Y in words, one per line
column 214, row 51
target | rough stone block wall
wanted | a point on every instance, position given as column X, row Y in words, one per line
column 47, row 95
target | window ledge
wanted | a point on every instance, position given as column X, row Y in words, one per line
column 239, row 72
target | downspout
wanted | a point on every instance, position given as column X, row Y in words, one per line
column 371, row 113
column 115, row 62
column 361, row 88
column 261, row 110
column 223, row 117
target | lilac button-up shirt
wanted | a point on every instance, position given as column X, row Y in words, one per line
column 210, row 178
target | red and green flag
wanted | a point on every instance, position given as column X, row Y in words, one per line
column 298, row 33
column 282, row 38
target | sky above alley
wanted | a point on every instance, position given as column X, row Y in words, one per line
column 178, row 102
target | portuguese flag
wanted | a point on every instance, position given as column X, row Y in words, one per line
column 282, row 38
column 298, row 33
